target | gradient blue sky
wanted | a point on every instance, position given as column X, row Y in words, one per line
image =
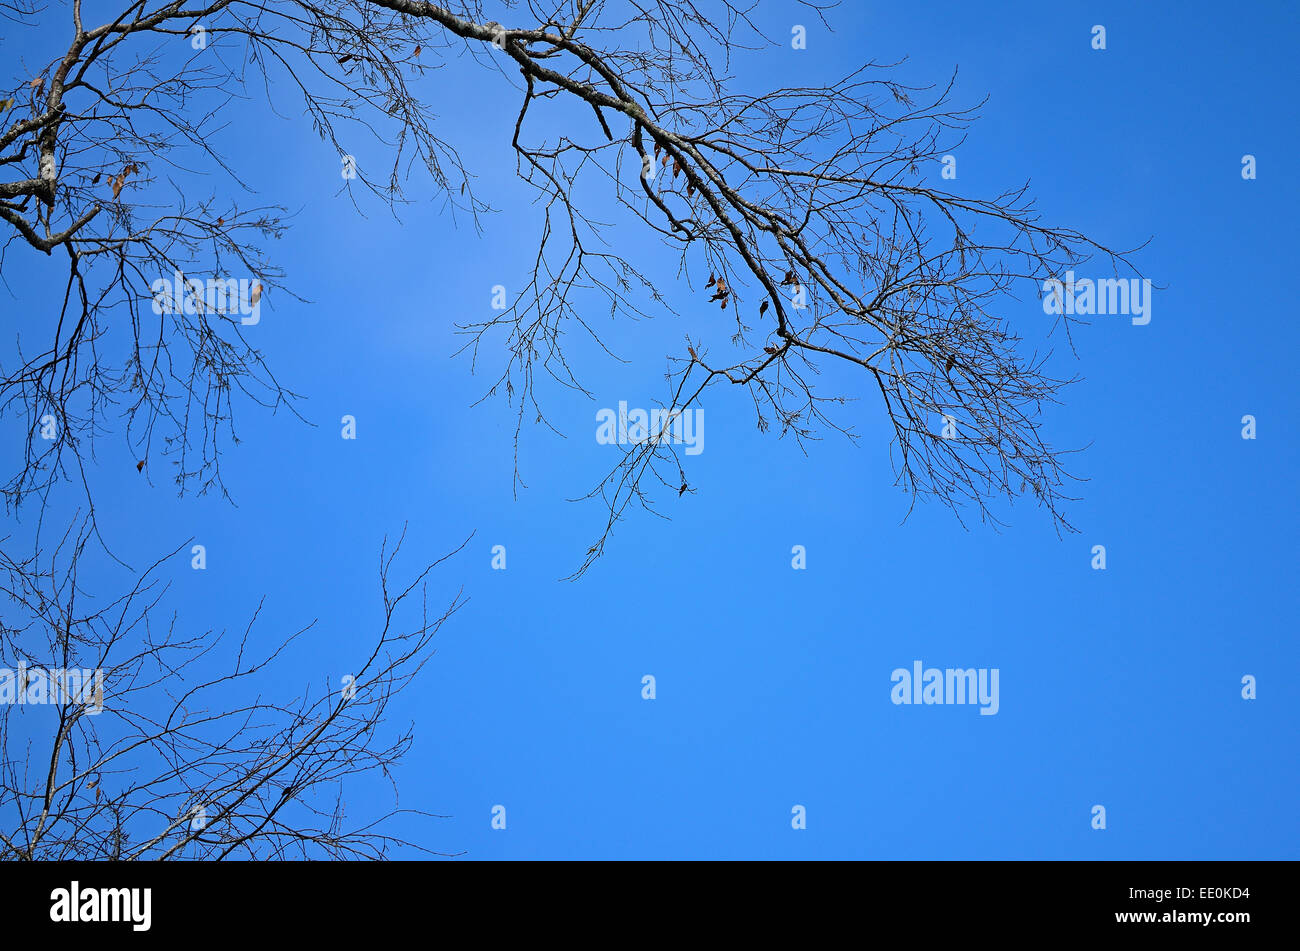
column 1119, row 687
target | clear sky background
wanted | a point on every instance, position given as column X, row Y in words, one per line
column 1119, row 687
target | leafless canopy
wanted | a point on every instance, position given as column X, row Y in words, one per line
column 809, row 214
column 812, row 209
column 188, row 744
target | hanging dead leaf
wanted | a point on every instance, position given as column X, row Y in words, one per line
column 762, row 308
column 682, row 490
column 98, row 176
column 690, row 188
column 37, row 83
column 769, row 349
column 139, row 466
column 658, row 147
column 220, row 222
column 722, row 285
column 712, row 279
column 118, row 182
column 691, row 351
column 723, row 305
column 417, row 50
column 255, row 294
column 664, row 160
column 6, row 105
column 677, row 167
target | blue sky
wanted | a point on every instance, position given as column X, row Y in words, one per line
column 1119, row 687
